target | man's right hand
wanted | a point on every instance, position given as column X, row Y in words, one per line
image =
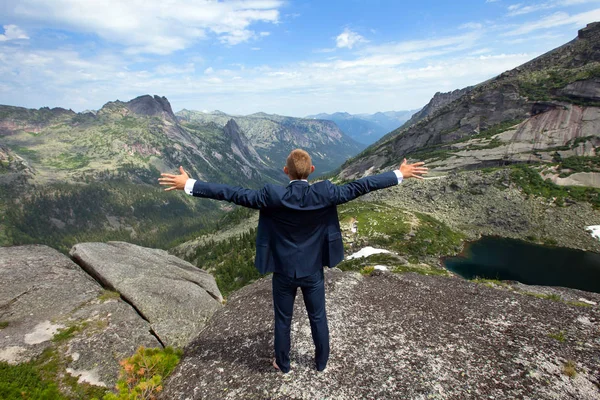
column 175, row 182
column 413, row 170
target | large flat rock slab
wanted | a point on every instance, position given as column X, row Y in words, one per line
column 175, row 297
column 43, row 292
column 404, row 336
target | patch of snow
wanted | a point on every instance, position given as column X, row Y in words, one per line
column 594, row 230
column 42, row 332
column 367, row 251
column 381, row 267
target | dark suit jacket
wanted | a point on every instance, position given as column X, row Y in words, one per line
column 298, row 227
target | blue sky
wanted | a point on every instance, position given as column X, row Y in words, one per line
column 278, row 56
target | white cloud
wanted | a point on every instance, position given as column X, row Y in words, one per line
column 157, row 27
column 170, row 69
column 521, row 9
column 555, row 20
column 491, row 1
column 326, row 50
column 349, row 39
column 418, row 49
column 381, row 80
column 471, row 25
column 546, row 37
column 12, row 32
column 480, row 51
column 393, row 75
column 263, row 34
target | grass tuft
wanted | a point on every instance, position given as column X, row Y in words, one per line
column 107, row 295
column 560, row 336
column 569, row 369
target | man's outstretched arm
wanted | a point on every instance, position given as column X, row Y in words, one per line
column 344, row 193
column 234, row 194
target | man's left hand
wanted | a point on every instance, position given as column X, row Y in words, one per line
column 175, row 182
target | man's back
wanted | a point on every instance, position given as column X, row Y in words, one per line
column 299, row 232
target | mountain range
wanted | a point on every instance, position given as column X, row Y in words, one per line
column 367, row 128
column 274, row 136
column 65, row 174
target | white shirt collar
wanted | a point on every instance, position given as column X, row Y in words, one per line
column 301, row 180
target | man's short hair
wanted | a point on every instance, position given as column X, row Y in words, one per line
column 298, row 164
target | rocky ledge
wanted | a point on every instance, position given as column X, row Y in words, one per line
column 50, row 305
column 175, row 297
column 403, row 336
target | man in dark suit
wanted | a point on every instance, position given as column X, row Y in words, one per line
column 298, row 234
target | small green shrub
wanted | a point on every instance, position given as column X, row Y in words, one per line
column 69, row 332
column 142, row 374
column 560, row 336
column 368, row 270
column 578, row 304
column 553, row 297
column 490, row 282
column 550, row 242
column 3, row 324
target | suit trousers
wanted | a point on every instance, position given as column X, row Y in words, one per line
column 284, row 294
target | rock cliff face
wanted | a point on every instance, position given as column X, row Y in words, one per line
column 49, row 302
column 471, row 119
column 439, row 100
column 402, row 336
column 175, row 297
column 243, row 148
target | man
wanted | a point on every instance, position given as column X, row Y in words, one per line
column 298, row 234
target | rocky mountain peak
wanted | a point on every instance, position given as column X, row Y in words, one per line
column 240, row 144
column 147, row 105
column 440, row 99
column 232, row 129
column 590, row 31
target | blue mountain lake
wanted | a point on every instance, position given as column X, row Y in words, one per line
column 532, row 264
